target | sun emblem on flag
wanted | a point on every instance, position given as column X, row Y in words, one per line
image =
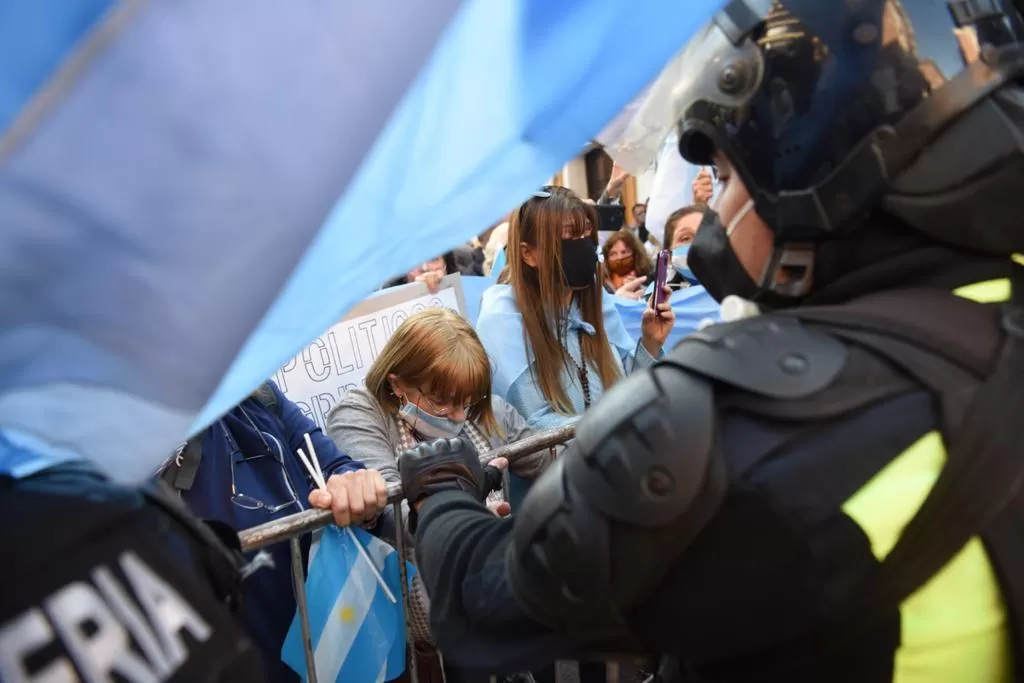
column 347, row 614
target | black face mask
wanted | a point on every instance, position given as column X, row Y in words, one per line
column 714, row 263
column 579, row 262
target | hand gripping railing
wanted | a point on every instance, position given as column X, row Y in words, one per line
column 291, row 528
column 310, row 520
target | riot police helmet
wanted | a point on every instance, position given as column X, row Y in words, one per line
column 831, row 111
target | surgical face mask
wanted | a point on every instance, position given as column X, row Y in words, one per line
column 621, row 266
column 430, row 426
column 713, row 260
column 579, row 262
column 681, row 264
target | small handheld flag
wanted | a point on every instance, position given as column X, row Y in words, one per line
column 358, row 633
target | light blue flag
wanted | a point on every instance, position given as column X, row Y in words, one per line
column 158, row 194
column 500, row 261
column 692, row 306
column 514, row 89
column 167, row 168
column 358, row 634
column 473, row 288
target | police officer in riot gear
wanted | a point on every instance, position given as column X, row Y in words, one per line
column 828, row 491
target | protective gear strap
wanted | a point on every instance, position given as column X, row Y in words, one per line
column 181, row 471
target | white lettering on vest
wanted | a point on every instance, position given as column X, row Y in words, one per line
column 131, row 617
column 22, row 636
column 97, row 627
column 168, row 612
column 107, row 648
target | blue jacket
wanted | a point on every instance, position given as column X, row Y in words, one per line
column 269, row 602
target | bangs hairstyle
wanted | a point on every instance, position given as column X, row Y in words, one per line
column 540, row 292
column 641, row 261
column 436, row 351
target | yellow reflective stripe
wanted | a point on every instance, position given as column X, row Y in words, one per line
column 989, row 292
column 884, row 506
column 1019, row 258
column 954, row 628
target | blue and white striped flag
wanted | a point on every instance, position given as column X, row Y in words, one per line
column 190, row 191
column 358, row 634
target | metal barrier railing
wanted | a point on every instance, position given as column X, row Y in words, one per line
column 291, row 528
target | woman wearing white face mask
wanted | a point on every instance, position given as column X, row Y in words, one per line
column 680, row 229
column 431, row 380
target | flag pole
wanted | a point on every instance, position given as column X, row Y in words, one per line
column 317, row 475
column 299, row 587
column 403, row 573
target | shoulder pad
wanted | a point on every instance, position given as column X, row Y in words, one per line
column 601, row 527
column 774, row 356
column 645, row 446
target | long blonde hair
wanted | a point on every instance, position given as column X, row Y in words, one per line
column 438, row 352
column 540, row 292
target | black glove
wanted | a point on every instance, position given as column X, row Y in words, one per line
column 446, row 465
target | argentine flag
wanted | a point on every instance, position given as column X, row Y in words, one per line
column 358, row 633
column 190, row 191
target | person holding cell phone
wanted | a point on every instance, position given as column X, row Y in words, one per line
column 555, row 337
column 680, row 229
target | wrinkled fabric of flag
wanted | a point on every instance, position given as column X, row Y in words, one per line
column 358, row 634
column 190, row 191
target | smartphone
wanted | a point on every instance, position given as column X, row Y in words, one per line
column 610, row 217
column 661, row 277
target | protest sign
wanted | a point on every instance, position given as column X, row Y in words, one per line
column 339, row 359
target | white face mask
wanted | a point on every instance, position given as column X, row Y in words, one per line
column 680, row 262
column 430, row 426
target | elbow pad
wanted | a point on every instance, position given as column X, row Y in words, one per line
column 600, row 529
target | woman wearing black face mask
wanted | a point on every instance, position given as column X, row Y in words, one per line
column 557, row 343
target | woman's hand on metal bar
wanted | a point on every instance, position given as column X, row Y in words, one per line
column 285, row 528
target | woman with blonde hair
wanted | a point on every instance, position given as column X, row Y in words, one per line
column 556, row 340
column 431, row 380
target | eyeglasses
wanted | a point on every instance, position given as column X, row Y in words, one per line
column 243, row 500
column 441, row 410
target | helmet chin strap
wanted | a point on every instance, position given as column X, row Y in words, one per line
column 789, row 269
column 789, row 272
